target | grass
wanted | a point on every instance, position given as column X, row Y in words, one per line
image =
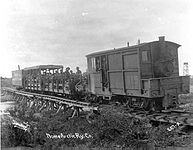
column 6, row 82
column 186, row 98
column 112, row 128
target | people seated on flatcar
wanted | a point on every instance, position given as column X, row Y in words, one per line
column 62, row 75
column 78, row 72
column 56, row 74
column 43, row 80
column 78, row 75
column 44, row 72
column 72, row 76
column 61, row 72
column 67, row 74
column 85, row 77
column 49, row 73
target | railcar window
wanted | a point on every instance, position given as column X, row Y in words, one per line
column 93, row 65
column 97, row 59
column 145, row 56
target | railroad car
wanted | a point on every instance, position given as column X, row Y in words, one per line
column 145, row 75
column 47, row 79
column 42, row 78
column 17, row 79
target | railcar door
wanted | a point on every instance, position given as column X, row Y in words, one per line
column 104, row 74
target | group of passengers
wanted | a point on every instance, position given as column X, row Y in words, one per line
column 69, row 75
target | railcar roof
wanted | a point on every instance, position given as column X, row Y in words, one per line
column 44, row 67
column 116, row 49
column 125, row 48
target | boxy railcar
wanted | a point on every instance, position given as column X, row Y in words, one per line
column 49, row 79
column 145, row 74
column 42, row 78
column 17, row 79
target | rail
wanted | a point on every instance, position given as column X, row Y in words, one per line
column 173, row 116
column 71, row 103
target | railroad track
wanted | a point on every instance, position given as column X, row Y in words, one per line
column 180, row 117
column 48, row 102
column 172, row 116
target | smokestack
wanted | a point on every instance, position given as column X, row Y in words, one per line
column 162, row 45
column 127, row 44
column 162, row 38
column 18, row 67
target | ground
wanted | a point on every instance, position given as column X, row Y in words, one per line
column 107, row 128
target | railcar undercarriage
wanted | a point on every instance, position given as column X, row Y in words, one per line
column 136, row 107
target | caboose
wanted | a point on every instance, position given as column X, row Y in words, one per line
column 143, row 75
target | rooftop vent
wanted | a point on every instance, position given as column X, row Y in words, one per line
column 138, row 42
column 162, row 38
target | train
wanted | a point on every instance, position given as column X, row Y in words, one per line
column 144, row 76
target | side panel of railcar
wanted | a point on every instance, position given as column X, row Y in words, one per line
column 94, row 80
column 124, row 73
column 115, row 73
column 165, row 59
column 17, row 78
column 146, row 65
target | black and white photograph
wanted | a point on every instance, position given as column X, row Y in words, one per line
column 96, row 74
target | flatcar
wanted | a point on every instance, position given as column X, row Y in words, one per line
column 145, row 74
column 48, row 79
column 35, row 78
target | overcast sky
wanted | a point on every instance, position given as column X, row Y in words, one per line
column 37, row 32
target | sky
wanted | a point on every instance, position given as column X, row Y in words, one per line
column 62, row 32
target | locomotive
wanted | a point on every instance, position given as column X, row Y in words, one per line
column 145, row 76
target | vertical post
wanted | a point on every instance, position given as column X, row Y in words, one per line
column 152, row 60
column 139, row 69
column 123, row 73
column 185, row 69
column 53, row 78
column 59, row 109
